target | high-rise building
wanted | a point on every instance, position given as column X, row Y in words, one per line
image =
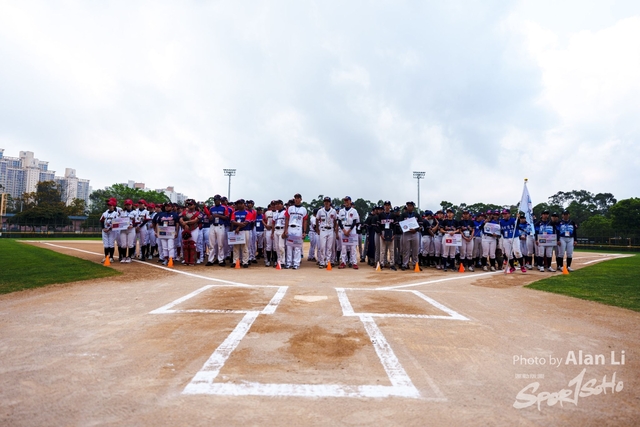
column 19, row 175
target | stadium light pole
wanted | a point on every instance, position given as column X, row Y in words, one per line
column 229, row 173
column 418, row 176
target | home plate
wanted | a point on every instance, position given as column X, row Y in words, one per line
column 310, row 298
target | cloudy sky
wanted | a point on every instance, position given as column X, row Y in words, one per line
column 328, row 97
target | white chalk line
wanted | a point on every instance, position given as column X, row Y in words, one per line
column 609, row 258
column 428, row 282
column 198, row 276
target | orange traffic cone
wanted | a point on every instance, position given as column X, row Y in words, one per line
column 278, row 266
column 107, row 263
column 237, row 263
column 417, row 268
column 564, row 270
column 378, row 266
column 170, row 263
column 461, row 269
column 329, row 266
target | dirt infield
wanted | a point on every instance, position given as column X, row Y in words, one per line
column 218, row 346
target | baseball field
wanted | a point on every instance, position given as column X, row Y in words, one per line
column 219, row 346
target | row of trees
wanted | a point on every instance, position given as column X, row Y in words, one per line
column 594, row 212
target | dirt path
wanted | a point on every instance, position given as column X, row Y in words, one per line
column 281, row 351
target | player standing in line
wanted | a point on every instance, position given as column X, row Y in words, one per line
column 397, row 238
column 141, row 219
column 544, row 227
column 385, row 224
column 467, row 228
column 526, row 240
column 252, row 243
column 241, row 222
column 279, row 220
column 108, row 234
column 313, row 237
column 478, row 224
column 437, row 239
column 229, row 211
column 259, row 228
column 348, row 219
column 449, row 226
column 151, row 236
column 267, row 220
column 489, row 242
column 217, row 232
column 509, row 232
column 410, row 239
column 128, row 235
column 326, row 226
column 189, row 222
column 205, row 231
column 429, row 228
column 166, row 218
column 567, row 234
column 295, row 226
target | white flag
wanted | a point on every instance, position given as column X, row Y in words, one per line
column 527, row 207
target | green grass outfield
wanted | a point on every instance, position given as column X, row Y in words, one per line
column 23, row 266
column 615, row 282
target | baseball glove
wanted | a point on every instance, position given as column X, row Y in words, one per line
column 186, row 235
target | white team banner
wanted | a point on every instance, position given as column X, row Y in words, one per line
column 350, row 240
column 166, row 232
column 294, row 240
column 449, row 240
column 409, row 224
column 527, row 207
column 236, row 239
column 121, row 223
column 547, row 239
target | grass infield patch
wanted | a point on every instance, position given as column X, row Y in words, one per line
column 615, row 282
column 23, row 266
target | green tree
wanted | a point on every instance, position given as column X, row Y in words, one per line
column 597, row 225
column 625, row 215
column 44, row 207
column 121, row 192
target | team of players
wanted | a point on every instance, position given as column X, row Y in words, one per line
column 388, row 238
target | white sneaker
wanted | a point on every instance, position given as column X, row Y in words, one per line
column 103, row 260
column 485, row 268
column 471, row 268
column 569, row 269
column 551, row 269
column 123, row 260
column 493, row 268
column 127, row 260
column 150, row 257
column 199, row 262
column 541, row 269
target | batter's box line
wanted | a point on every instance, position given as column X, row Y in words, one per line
column 347, row 308
column 401, row 386
column 270, row 308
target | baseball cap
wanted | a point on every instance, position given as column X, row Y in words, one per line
column 142, row 202
column 387, row 202
column 217, row 197
column 112, row 202
column 326, row 199
column 239, row 201
column 449, row 210
column 466, row 211
column 346, row 198
column 189, row 202
column 410, row 203
column 297, row 195
column 250, row 201
column 546, row 211
column 554, row 214
column 428, row 212
column 128, row 202
column 480, row 214
column 504, row 211
column 565, row 212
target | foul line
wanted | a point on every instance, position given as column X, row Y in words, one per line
column 390, row 288
column 198, row 276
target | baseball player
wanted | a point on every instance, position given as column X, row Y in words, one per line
column 348, row 219
column 189, row 221
column 141, row 219
column 151, row 235
column 313, row 237
column 241, row 222
column 467, row 229
column 267, row 220
column 108, row 234
column 411, row 237
column 166, row 218
column 279, row 220
column 218, row 231
column 567, row 234
column 509, row 232
column 385, row 224
column 128, row 235
column 489, row 242
column 478, row 224
column 429, row 229
column 259, row 229
column 252, row 244
column 229, row 210
column 543, row 228
column 326, row 228
column 526, row 240
column 449, row 226
column 205, row 230
column 295, row 228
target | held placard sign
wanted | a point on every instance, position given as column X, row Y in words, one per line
column 449, row 240
column 166, row 232
column 294, row 240
column 236, row 239
column 491, row 228
column 409, row 224
column 547, row 239
column 119, row 224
